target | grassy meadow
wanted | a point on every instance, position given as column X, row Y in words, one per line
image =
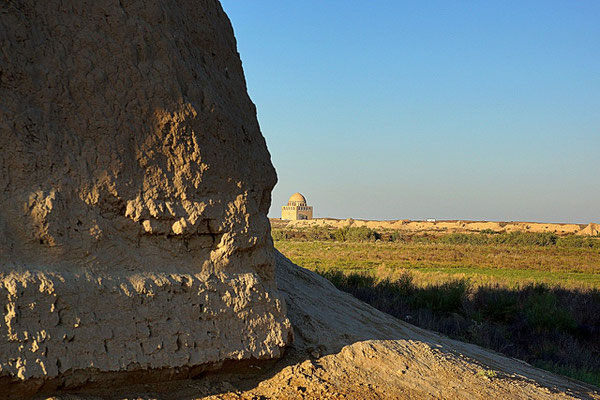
column 533, row 296
column 434, row 262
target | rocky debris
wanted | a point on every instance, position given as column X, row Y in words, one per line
column 134, row 187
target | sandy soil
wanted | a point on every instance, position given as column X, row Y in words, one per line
column 591, row 229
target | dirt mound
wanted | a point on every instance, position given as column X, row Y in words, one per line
column 441, row 226
column 591, row 230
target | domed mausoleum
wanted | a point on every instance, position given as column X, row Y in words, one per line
column 296, row 208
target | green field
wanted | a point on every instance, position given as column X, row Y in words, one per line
column 434, row 262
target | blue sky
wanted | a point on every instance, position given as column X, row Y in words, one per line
column 428, row 109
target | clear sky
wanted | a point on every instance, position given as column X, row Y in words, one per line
column 390, row 109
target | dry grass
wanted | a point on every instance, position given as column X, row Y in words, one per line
column 434, row 262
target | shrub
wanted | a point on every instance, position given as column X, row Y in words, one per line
column 485, row 237
column 527, row 238
column 318, row 233
column 396, row 236
column 447, row 297
column 279, row 234
column 464, row 238
column 497, row 305
column 543, row 312
column 578, row 241
column 512, row 238
column 355, row 234
column 404, row 284
column 356, row 281
column 489, row 232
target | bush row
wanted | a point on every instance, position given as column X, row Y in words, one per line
column 553, row 328
column 362, row 234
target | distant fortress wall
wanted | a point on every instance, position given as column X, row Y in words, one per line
column 454, row 226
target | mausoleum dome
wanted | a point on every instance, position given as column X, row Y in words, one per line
column 297, row 198
column 296, row 209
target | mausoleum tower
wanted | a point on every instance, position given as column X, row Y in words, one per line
column 296, row 208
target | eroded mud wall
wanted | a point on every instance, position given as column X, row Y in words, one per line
column 134, row 188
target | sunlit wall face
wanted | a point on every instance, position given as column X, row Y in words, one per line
column 395, row 109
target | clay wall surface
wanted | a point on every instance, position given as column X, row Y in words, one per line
column 134, row 187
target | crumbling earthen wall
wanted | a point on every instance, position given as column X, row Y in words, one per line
column 134, row 187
